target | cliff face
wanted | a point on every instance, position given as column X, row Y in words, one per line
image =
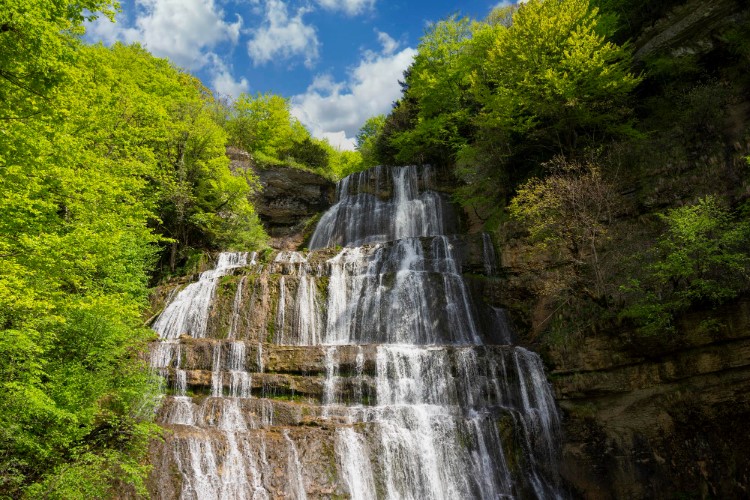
column 288, row 201
column 690, row 28
column 658, row 418
column 662, row 416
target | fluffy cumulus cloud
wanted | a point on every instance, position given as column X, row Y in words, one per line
column 222, row 80
column 389, row 44
column 185, row 31
column 282, row 36
column 336, row 110
column 350, row 7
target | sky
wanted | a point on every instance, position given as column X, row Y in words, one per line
column 338, row 61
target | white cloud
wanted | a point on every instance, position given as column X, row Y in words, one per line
column 222, row 80
column 282, row 36
column 185, row 31
column 508, row 3
column 388, row 43
column 338, row 109
column 102, row 29
column 339, row 140
column 350, row 7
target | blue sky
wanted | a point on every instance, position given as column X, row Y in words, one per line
column 339, row 61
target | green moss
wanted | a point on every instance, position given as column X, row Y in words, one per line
column 514, row 452
column 227, row 285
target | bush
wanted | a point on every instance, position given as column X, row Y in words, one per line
column 700, row 259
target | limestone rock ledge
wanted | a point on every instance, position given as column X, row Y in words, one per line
column 289, row 200
column 656, row 418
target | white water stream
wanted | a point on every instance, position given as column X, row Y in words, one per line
column 421, row 410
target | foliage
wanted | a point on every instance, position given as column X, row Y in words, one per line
column 121, row 154
column 629, row 17
column 264, row 126
column 569, row 210
column 553, row 75
column 155, row 117
column 75, row 253
column 700, row 259
column 438, row 82
column 495, row 98
column 366, row 140
column 38, row 48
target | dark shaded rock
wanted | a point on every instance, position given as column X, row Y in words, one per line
column 689, row 29
column 289, row 200
column 659, row 418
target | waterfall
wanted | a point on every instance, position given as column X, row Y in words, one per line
column 361, row 216
column 188, row 312
column 359, row 373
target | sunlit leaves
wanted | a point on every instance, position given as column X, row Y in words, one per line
column 37, row 49
column 553, row 72
column 701, row 258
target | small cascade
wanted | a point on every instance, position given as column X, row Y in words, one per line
column 236, row 308
column 370, row 372
column 354, row 463
column 188, row 312
column 362, row 213
column 239, row 378
column 399, row 293
column 297, row 485
column 488, row 255
column 306, row 319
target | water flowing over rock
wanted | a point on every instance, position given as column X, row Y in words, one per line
column 356, row 373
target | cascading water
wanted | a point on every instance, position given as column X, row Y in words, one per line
column 361, row 374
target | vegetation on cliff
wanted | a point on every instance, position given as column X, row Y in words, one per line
column 112, row 163
column 264, row 126
column 606, row 177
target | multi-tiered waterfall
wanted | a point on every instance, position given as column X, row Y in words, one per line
column 360, row 372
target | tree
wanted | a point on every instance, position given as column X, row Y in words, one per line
column 89, row 187
column 553, row 76
column 38, row 44
column 569, row 210
column 701, row 258
column 264, row 126
column 438, row 84
column 367, row 137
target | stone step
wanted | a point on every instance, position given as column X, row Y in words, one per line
column 199, row 354
column 281, row 385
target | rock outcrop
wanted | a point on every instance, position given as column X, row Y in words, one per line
column 689, row 29
column 656, row 418
column 289, row 200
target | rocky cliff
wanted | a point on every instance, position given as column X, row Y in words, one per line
column 658, row 418
column 288, row 200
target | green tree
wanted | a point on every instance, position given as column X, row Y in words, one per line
column 554, row 77
column 366, row 140
column 567, row 213
column 438, row 83
column 75, row 251
column 700, row 259
column 264, row 126
column 38, row 44
column 88, row 184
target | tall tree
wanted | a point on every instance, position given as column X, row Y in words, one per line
column 553, row 76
